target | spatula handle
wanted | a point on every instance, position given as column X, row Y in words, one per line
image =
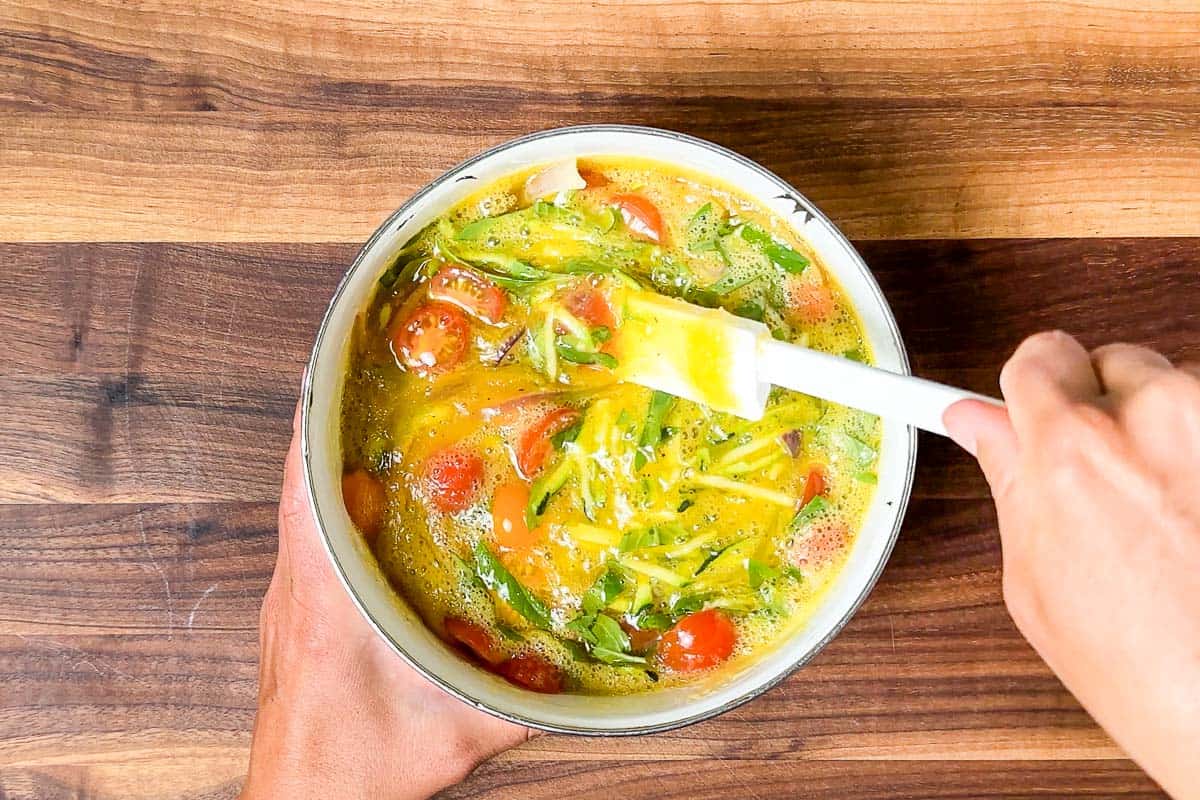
column 915, row 401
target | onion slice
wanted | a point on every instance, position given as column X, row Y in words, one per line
column 562, row 176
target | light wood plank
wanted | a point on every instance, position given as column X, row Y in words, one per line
column 879, row 172
column 473, row 54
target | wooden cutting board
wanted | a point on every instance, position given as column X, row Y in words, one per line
column 182, row 185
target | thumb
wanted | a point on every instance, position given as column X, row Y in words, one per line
column 984, row 431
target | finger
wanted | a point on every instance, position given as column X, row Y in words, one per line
column 985, row 432
column 1047, row 373
column 299, row 540
column 1123, row 368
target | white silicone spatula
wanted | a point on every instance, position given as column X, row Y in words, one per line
column 730, row 364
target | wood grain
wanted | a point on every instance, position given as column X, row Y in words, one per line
column 168, row 373
column 182, row 185
column 166, row 55
column 149, row 663
column 897, row 172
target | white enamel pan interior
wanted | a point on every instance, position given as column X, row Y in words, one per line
column 403, row 629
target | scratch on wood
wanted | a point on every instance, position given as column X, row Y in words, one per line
column 192, row 616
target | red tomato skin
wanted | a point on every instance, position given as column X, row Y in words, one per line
column 640, row 215
column 531, row 671
column 509, row 528
column 451, row 477
column 808, row 301
column 365, row 500
column 534, row 446
column 470, row 291
column 588, row 304
column 814, row 485
column 434, row 338
column 476, row 638
column 698, row 641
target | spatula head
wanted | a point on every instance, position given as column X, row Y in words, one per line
column 703, row 354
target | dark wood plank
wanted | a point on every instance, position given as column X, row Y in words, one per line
column 149, row 661
column 899, row 171
column 840, row 780
column 163, row 373
column 106, row 56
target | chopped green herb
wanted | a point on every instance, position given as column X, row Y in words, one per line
column 601, row 334
column 581, row 626
column 867, row 477
column 566, row 435
column 793, row 573
column 813, row 509
column 858, row 450
column 704, row 228
column 639, row 538
column 614, row 657
column 687, row 604
column 660, row 406
column 685, row 504
column 653, row 620
column 609, row 635
column 473, row 230
column 568, row 353
column 497, row 578
column 750, row 310
column 779, row 253
column 544, row 487
column 759, row 573
column 855, row 355
column 603, row 591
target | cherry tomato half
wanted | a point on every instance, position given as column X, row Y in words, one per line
column 470, row 291
column 531, row 671
column 640, row 215
column 508, row 517
column 434, row 338
column 365, row 501
column 451, row 477
column 808, row 300
column 534, row 445
column 813, row 485
column 698, row 641
column 588, row 304
column 475, row 638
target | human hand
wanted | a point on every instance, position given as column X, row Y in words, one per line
column 340, row 714
column 1095, row 469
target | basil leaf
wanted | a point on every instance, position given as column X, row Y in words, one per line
column 793, row 573
column 614, row 657
column 609, row 635
column 855, row 355
column 858, row 450
column 759, row 573
column 497, row 578
column 568, row 353
column 779, row 253
column 687, row 604
column 581, row 626
column 867, row 477
column 813, row 509
column 603, row 591
column 653, row 620
column 566, row 435
column 656, row 414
